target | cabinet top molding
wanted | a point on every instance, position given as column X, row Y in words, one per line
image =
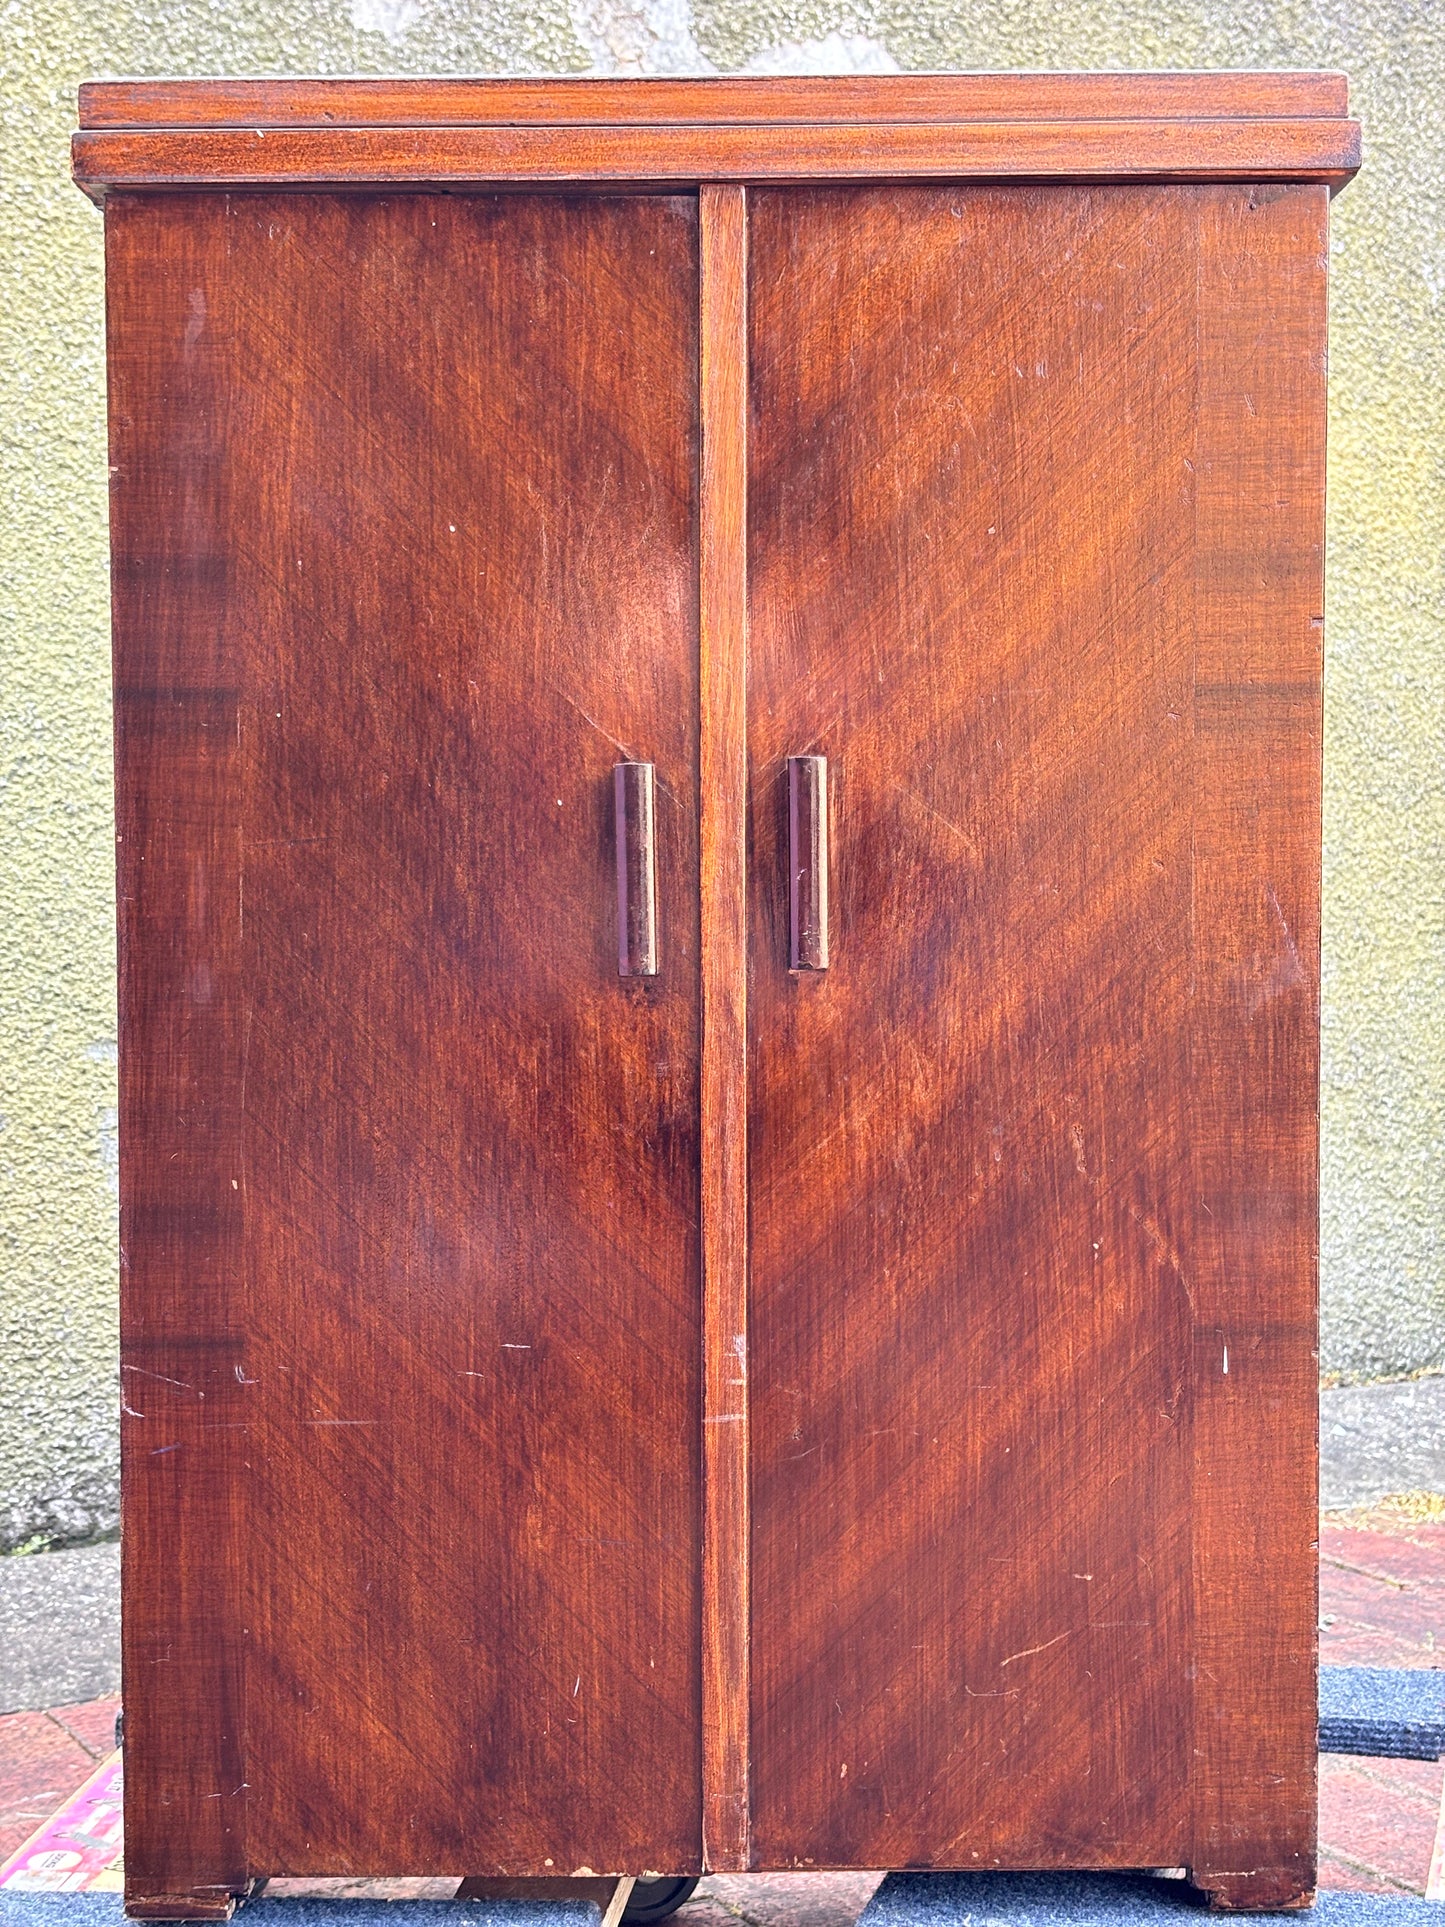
column 333, row 134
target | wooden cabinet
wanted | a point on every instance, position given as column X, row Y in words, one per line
column 759, row 1311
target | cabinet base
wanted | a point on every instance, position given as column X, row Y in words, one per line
column 201, row 1903
column 1264, row 1890
column 1268, row 1890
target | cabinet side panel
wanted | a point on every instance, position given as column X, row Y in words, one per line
column 1259, row 528
column 178, row 678
column 450, row 566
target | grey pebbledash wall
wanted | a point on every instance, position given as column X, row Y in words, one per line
column 1384, row 1014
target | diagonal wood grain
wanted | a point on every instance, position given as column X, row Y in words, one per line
column 448, row 553
column 974, row 458
column 580, row 1426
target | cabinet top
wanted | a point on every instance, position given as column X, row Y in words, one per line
column 451, row 133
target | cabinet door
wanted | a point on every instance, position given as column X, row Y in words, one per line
column 1035, row 484
column 405, row 563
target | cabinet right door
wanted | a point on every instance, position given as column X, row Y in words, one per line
column 1036, row 480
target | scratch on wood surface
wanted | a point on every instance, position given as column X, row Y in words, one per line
column 628, row 755
column 1288, row 968
column 1029, row 1651
column 955, row 829
column 1161, row 1245
column 593, row 723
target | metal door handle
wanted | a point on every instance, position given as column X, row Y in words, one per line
column 632, row 791
column 807, row 863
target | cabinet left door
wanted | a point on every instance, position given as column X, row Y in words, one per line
column 404, row 554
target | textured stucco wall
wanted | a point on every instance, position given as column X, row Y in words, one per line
column 1384, row 1012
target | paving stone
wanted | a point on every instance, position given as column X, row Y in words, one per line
column 1396, row 1589
column 1421, row 1777
column 1413, row 1555
column 41, row 1765
column 59, row 1627
column 1343, row 1642
column 92, row 1723
column 1377, row 1822
column 1379, row 1439
column 1338, row 1876
column 780, row 1899
column 706, row 1909
column 1386, row 1608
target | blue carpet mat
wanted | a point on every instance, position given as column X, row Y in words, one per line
column 903, row 1900
column 1104, row 1900
column 1382, row 1710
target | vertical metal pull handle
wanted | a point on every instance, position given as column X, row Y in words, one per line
column 807, row 863
column 632, row 789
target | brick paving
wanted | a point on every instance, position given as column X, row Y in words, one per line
column 1382, row 1603
column 44, row 1758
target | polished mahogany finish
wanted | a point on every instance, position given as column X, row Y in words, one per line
column 718, row 796
column 723, row 847
column 851, row 100
column 1032, row 1168
column 356, row 133
column 671, row 156
column 405, row 549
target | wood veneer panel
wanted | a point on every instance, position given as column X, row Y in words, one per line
column 406, row 562
column 1231, row 149
column 723, row 831
column 179, row 849
column 552, row 102
column 1254, row 1038
column 989, row 1549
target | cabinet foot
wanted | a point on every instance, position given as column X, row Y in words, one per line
column 1265, row 1890
column 199, row 1903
